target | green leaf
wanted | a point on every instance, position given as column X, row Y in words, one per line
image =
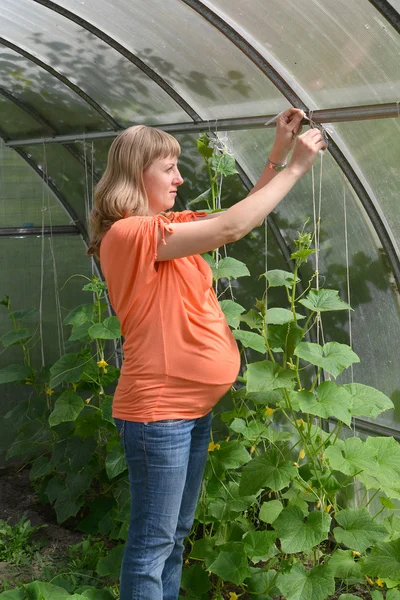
column 40, row 467
column 108, row 330
column 67, row 408
column 302, row 254
column 19, row 315
column 383, row 561
column 14, row 373
column 277, row 278
column 266, row 376
column 14, row 337
column 280, row 316
column 79, row 315
column 17, row 594
column 68, row 368
column 350, row 456
column 298, row 534
column 328, row 400
column 367, row 401
column 230, row 268
column 250, row 340
column 344, row 566
column 333, row 357
column 261, row 585
column 195, row 578
column 231, row 455
column 259, row 545
column 269, row 470
column 80, row 332
column 386, row 452
column 39, row 590
column 376, row 595
column 387, row 503
column 115, row 461
column 223, row 165
column 348, row 597
column 253, row 319
column 111, row 565
column 254, row 431
column 299, row 584
column 232, row 312
column 54, row 488
column 392, row 594
column 231, row 566
column 204, row 197
column 203, row 146
column 358, row 531
column 270, row 511
column 324, row 300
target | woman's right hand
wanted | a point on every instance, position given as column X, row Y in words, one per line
column 306, row 150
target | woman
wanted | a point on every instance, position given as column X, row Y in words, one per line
column 179, row 354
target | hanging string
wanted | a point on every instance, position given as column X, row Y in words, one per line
column 42, row 267
column 266, row 272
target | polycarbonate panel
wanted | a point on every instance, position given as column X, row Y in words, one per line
column 374, row 146
column 110, row 79
column 71, row 178
column 48, row 96
column 336, row 52
column 206, row 69
column 16, row 123
column 23, row 195
column 20, row 267
column 375, row 324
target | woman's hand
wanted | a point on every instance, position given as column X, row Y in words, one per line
column 288, row 127
column 306, row 151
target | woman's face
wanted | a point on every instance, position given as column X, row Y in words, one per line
column 161, row 180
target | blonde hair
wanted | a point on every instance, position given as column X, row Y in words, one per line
column 120, row 192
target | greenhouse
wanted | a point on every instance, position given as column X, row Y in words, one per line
column 300, row 497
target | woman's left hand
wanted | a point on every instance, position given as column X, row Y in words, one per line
column 288, row 127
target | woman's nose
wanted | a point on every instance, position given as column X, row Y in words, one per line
column 178, row 179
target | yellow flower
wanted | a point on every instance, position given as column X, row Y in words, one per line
column 319, row 504
column 49, row 391
column 295, row 464
column 301, row 423
column 269, row 411
column 301, row 454
column 328, row 508
column 355, row 553
column 252, row 449
column 74, row 386
column 369, row 580
column 102, row 364
column 380, row 582
column 233, row 596
column 212, row 447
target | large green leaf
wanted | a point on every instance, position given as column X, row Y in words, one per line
column 350, row 456
column 17, row 594
column 14, row 373
column 297, row 534
column 14, row 337
column 383, row 561
column 232, row 312
column 80, row 332
column 253, row 319
column 195, row 578
column 67, row 506
column 344, row 566
column 328, row 400
column 79, row 315
column 259, row 545
column 252, row 432
column 261, row 585
column 40, row 590
column 68, row 368
column 277, row 278
column 367, row 401
column 110, row 565
column 333, row 357
column 20, row 315
column 67, row 408
column 358, row 530
column 109, row 329
column 224, row 165
column 280, row 316
column 266, row 376
column 40, row 467
column 270, row 511
column 386, row 466
column 250, row 340
column 230, row 455
column 115, row 461
column 299, row 584
column 269, row 470
column 231, row 566
column 230, row 268
column 324, row 300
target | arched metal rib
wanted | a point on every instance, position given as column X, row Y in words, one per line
column 124, row 52
column 107, row 117
column 389, row 12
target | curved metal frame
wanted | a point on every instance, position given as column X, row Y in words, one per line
column 115, row 125
column 107, row 39
column 388, row 11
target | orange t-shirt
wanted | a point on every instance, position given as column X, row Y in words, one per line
column 180, row 356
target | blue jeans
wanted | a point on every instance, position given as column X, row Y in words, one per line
column 166, row 461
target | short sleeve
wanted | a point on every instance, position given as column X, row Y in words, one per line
column 184, row 216
column 129, row 249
